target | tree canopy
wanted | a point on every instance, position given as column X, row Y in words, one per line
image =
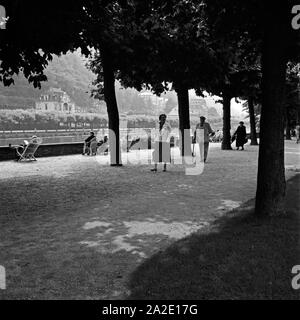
column 34, row 32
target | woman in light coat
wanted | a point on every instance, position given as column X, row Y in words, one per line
column 162, row 151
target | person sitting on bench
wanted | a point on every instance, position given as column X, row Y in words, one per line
column 103, row 145
column 87, row 143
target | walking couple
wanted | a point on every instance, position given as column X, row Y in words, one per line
column 162, row 151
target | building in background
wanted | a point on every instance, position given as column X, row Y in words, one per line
column 56, row 100
column 173, row 114
column 198, row 107
column 98, row 106
column 158, row 103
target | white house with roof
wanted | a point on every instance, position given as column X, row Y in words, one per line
column 55, row 100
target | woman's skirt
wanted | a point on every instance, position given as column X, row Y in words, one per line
column 162, row 152
column 240, row 141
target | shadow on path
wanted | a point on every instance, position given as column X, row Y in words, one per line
column 238, row 257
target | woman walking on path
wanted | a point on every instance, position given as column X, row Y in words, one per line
column 241, row 135
column 162, row 151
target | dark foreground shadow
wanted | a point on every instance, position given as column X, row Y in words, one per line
column 239, row 257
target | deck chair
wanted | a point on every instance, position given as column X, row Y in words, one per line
column 134, row 142
column 29, row 150
column 103, row 148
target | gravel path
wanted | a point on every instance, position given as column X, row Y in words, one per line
column 74, row 227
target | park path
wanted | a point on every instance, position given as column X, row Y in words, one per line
column 73, row 227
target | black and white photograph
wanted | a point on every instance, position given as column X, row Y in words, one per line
column 149, row 151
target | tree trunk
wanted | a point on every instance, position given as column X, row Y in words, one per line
column 271, row 184
column 112, row 110
column 252, row 122
column 184, row 120
column 226, row 142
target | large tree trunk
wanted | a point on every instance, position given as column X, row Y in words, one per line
column 252, row 122
column 112, row 110
column 226, row 142
column 271, row 183
column 184, row 120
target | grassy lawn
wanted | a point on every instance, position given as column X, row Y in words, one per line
column 238, row 257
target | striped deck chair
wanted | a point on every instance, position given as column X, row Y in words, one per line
column 103, row 148
column 29, row 150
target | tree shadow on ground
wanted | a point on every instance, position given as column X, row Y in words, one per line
column 238, row 257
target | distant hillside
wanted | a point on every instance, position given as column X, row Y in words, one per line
column 67, row 72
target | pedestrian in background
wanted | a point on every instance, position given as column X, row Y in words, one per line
column 241, row 136
column 162, row 148
column 201, row 135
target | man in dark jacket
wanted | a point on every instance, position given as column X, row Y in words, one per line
column 241, row 135
column 87, row 143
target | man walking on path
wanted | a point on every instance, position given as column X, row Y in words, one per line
column 201, row 135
